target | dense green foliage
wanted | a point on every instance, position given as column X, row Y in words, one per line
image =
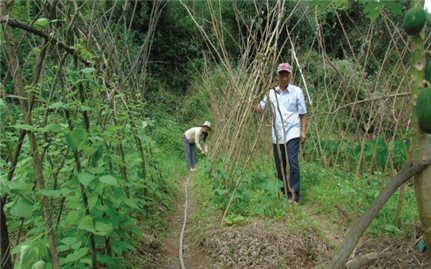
column 258, row 195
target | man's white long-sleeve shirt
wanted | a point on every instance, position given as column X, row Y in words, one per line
column 286, row 107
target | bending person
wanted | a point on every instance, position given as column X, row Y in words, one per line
column 195, row 137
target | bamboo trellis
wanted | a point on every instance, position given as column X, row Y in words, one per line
column 358, row 115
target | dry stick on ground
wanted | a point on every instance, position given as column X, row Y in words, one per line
column 361, row 261
column 355, row 232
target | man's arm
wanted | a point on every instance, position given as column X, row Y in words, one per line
column 261, row 105
column 259, row 108
column 304, row 124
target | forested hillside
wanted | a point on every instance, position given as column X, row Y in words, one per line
column 96, row 96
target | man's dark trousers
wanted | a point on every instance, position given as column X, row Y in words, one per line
column 292, row 148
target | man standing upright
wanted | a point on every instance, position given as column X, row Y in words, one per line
column 289, row 127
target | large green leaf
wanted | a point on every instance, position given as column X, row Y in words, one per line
column 372, row 9
column 85, row 178
column 86, row 224
column 50, row 193
column 55, row 128
column 76, row 138
column 109, row 180
column 17, row 185
column 131, row 203
column 76, row 256
column 71, row 218
column 69, row 241
column 104, row 228
column 26, row 127
column 96, row 170
column 58, row 105
column 22, row 208
column 92, row 201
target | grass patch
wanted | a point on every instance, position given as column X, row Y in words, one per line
column 321, row 190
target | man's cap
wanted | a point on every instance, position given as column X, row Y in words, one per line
column 284, row 67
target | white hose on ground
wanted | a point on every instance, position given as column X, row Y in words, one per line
column 180, row 252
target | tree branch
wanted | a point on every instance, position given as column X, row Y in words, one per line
column 16, row 24
column 355, row 232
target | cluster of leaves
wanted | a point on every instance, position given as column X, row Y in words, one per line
column 374, row 152
column 257, row 195
column 325, row 189
column 94, row 188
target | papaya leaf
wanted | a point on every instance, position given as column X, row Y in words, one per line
column 394, row 6
column 340, row 3
column 372, row 9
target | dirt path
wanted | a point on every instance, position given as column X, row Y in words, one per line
column 193, row 255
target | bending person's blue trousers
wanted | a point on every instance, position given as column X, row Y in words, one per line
column 292, row 149
column 189, row 153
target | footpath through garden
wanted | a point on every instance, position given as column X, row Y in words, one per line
column 192, row 254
